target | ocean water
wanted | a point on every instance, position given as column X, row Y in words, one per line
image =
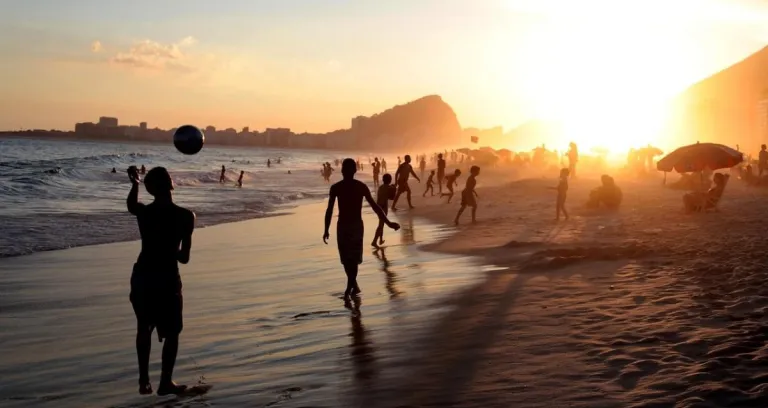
column 263, row 322
column 61, row 194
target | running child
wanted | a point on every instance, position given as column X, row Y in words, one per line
column 430, row 184
column 450, row 181
column 468, row 196
column 383, row 195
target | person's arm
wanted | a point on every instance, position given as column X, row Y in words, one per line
column 397, row 175
column 134, row 207
column 379, row 212
column 186, row 241
column 329, row 214
column 413, row 173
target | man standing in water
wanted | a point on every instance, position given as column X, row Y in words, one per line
column 166, row 239
column 440, row 173
column 349, row 227
column 223, row 178
column 376, row 169
column 404, row 171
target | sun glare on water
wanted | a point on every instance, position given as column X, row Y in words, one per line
column 607, row 79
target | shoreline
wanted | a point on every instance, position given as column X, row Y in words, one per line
column 261, row 324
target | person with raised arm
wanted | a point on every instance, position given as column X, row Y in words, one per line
column 166, row 240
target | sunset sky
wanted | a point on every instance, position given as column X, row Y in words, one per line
column 312, row 65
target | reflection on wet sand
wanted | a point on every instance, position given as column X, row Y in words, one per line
column 391, row 277
column 407, row 235
column 362, row 349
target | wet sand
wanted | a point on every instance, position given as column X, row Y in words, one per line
column 643, row 307
column 263, row 321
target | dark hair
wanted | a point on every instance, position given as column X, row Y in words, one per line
column 348, row 167
column 158, row 181
column 433, row 172
column 439, row 155
column 407, row 157
column 387, row 178
column 474, row 169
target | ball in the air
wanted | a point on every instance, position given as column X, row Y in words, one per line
column 392, row 192
column 188, row 139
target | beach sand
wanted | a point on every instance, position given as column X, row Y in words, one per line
column 642, row 307
column 263, row 321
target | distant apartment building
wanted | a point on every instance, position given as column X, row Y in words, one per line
column 107, row 122
column 210, row 130
column 86, row 129
column 278, row 136
column 246, row 130
column 143, row 126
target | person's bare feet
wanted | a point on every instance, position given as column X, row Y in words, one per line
column 373, row 244
column 356, row 291
column 411, row 207
column 381, row 242
column 145, row 389
column 171, row 388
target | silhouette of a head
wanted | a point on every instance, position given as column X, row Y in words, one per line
column 432, row 172
column 387, row 178
column 348, row 167
column 407, row 158
column 158, row 182
column 440, row 156
column 564, row 172
column 457, row 172
column 474, row 170
column 762, row 147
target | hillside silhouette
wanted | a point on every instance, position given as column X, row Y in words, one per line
column 725, row 106
column 424, row 122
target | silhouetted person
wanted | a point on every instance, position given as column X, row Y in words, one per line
column 404, row 171
column 762, row 161
column 222, row 177
column 468, row 196
column 269, row 163
column 423, row 165
column 349, row 227
column 114, row 170
column 430, row 184
column 240, row 179
column 562, row 192
column 166, row 239
column 573, row 158
column 143, row 170
column 440, row 173
column 451, row 181
column 383, row 165
column 376, row 169
column 383, row 195
column 399, row 162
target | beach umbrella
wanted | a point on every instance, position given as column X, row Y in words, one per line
column 700, row 156
column 464, row 150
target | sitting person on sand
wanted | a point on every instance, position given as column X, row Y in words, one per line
column 608, row 194
column 698, row 201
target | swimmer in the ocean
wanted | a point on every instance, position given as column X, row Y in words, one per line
column 166, row 239
column 240, row 179
column 269, row 163
column 222, row 177
column 349, row 227
column 114, row 170
column 143, row 170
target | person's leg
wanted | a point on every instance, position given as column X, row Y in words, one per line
column 408, row 196
column 557, row 210
column 351, row 270
column 397, row 197
column 565, row 212
column 425, row 191
column 450, row 194
column 169, row 330
column 461, row 210
column 379, row 234
column 474, row 212
column 143, row 348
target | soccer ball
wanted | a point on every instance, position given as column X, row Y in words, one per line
column 188, row 139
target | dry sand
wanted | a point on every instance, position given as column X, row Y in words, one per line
column 643, row 307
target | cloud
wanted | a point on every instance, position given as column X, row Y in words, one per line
column 149, row 54
column 96, row 46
